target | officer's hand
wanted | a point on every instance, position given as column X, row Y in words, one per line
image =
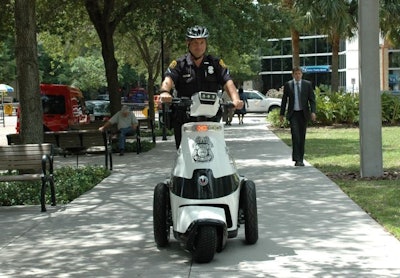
column 238, row 104
column 165, row 98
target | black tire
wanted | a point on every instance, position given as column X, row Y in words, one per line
column 161, row 211
column 248, row 203
column 205, row 244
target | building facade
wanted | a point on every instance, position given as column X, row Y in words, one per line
column 315, row 60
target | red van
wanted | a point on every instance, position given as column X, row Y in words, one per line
column 63, row 107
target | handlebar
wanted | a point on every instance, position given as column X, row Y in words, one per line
column 181, row 102
column 228, row 104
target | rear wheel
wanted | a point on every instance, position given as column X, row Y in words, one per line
column 205, row 244
column 161, row 211
column 248, row 203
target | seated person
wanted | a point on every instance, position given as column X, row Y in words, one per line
column 127, row 124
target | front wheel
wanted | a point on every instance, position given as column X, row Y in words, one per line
column 161, row 211
column 205, row 244
column 248, row 203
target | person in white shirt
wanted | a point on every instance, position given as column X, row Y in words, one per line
column 127, row 125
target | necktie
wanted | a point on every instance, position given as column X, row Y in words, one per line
column 298, row 87
column 297, row 97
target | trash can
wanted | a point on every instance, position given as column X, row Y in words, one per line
column 8, row 109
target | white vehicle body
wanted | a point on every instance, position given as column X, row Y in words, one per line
column 259, row 103
column 205, row 200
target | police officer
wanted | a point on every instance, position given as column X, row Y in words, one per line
column 195, row 72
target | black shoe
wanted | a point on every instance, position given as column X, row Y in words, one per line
column 121, row 152
column 299, row 163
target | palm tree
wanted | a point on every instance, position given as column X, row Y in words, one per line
column 336, row 19
column 289, row 7
column 390, row 21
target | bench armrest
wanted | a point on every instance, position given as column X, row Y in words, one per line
column 47, row 165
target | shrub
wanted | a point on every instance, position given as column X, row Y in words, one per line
column 274, row 119
column 343, row 108
column 390, row 108
column 70, row 183
column 337, row 107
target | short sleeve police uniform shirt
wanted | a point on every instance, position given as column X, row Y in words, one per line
column 210, row 76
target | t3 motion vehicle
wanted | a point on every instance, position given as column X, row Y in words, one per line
column 205, row 200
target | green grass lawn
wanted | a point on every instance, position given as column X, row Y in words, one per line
column 336, row 152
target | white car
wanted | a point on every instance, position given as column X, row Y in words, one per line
column 260, row 103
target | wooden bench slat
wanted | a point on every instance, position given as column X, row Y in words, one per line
column 24, row 177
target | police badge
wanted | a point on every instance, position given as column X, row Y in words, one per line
column 202, row 149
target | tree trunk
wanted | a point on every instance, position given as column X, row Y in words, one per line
column 105, row 18
column 152, row 59
column 295, row 47
column 111, row 67
column 26, row 54
column 335, row 63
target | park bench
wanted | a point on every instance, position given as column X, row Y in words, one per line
column 75, row 142
column 82, row 141
column 29, row 162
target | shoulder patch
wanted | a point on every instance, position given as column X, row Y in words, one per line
column 222, row 64
column 173, row 64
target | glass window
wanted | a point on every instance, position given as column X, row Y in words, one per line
column 275, row 48
column 321, row 45
column 307, row 61
column 286, row 47
column 53, row 104
column 266, row 64
column 276, row 64
column 394, row 59
column 287, row 64
column 342, row 61
column 342, row 45
column 323, row 60
column 252, row 95
column 307, row 46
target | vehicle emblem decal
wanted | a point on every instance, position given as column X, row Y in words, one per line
column 202, row 180
column 202, row 149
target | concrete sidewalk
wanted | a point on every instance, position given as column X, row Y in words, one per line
column 308, row 227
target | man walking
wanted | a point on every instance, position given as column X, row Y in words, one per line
column 299, row 98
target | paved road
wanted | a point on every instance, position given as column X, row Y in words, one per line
column 307, row 226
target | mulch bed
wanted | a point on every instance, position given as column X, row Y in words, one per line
column 394, row 175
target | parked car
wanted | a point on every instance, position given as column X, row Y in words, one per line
column 137, row 95
column 98, row 108
column 259, row 103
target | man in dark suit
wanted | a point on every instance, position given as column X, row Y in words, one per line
column 299, row 98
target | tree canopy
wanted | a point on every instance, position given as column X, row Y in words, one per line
column 74, row 37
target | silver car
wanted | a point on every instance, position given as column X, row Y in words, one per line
column 98, row 108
